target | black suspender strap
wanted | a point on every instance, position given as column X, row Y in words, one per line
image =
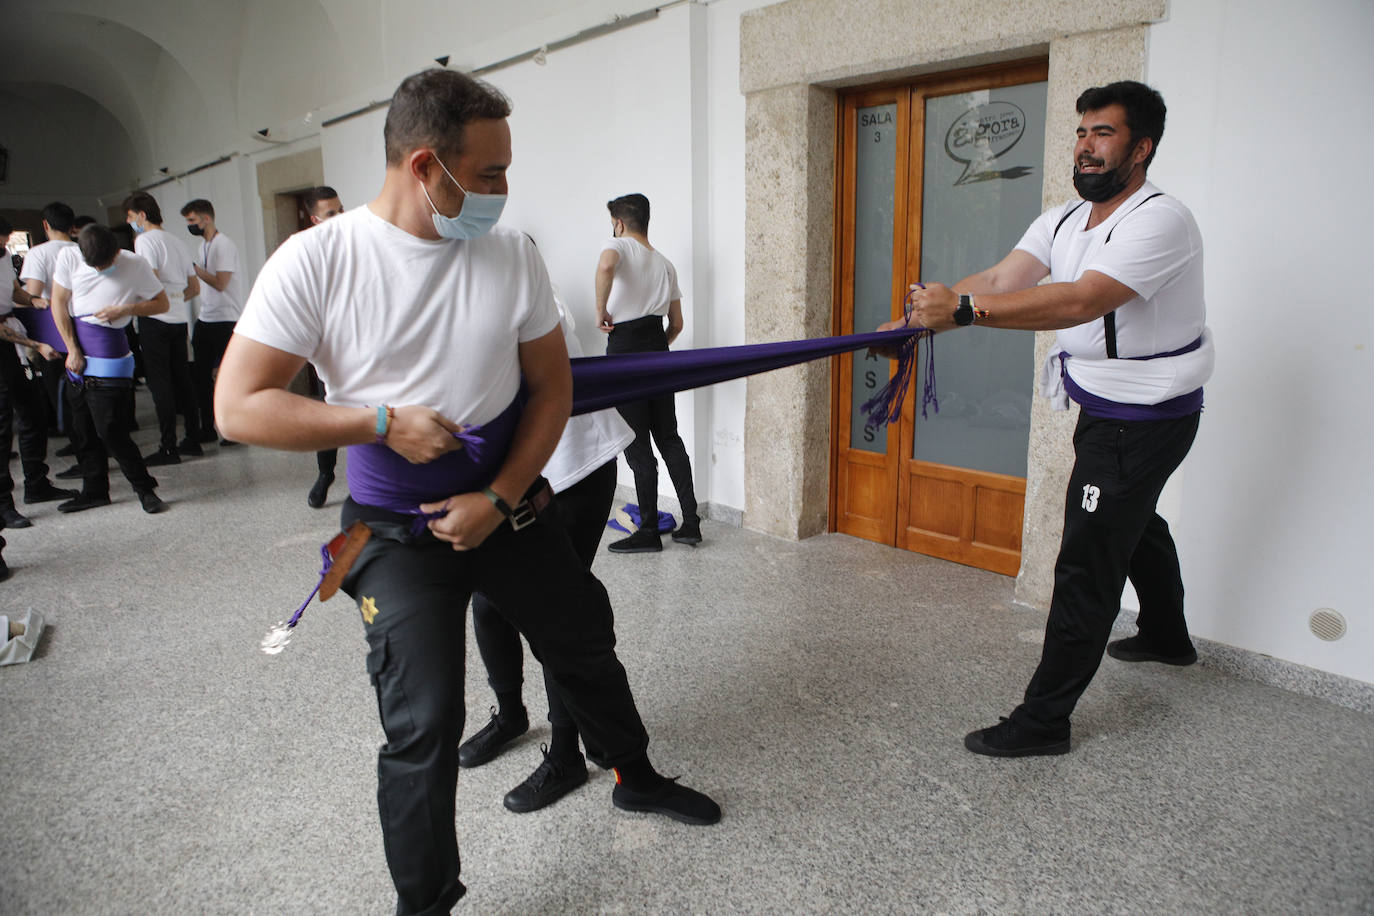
column 1109, row 319
column 1055, row 235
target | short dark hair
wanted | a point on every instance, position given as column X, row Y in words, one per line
column 98, row 245
column 632, row 210
column 199, row 205
column 145, row 203
column 315, row 195
column 59, row 216
column 1144, row 106
column 432, row 107
column 81, row 222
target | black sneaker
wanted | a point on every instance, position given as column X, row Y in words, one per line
column 227, row 443
column 152, row 503
column 670, row 799
column 84, row 501
column 161, row 458
column 320, row 491
column 46, row 493
column 550, row 781
column 71, row 473
column 190, row 447
column 689, row 532
column 1007, row 739
column 488, row 743
column 11, row 517
column 1133, row 649
column 645, row 540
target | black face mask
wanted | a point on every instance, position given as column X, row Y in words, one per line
column 196, row 230
column 1099, row 187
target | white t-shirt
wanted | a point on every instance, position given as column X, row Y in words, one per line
column 131, row 281
column 1156, row 250
column 645, row 282
column 172, row 264
column 39, row 264
column 389, row 318
column 590, row 439
column 218, row 254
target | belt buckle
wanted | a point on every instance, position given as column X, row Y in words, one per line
column 523, row 515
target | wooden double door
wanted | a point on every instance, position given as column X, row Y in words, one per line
column 937, row 180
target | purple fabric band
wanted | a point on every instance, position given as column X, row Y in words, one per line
column 377, row 476
column 1173, row 409
column 623, row 378
column 39, row 326
column 98, row 340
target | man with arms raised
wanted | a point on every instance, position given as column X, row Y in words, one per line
column 422, row 317
column 1126, row 298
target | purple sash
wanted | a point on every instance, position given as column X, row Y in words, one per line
column 98, row 340
column 39, row 326
column 1173, row 409
column 377, row 476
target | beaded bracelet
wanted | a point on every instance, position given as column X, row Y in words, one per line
column 385, row 415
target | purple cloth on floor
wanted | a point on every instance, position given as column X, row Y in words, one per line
column 623, row 378
column 377, row 476
column 39, row 326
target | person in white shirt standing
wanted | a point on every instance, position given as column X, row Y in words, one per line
column 221, row 303
column 636, row 287
column 59, row 224
column 97, row 289
column 163, row 337
column 20, row 400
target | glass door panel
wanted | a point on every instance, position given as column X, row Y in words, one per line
column 875, row 179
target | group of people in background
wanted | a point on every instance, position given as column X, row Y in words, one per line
column 84, row 320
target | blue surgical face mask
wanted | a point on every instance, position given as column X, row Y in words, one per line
column 133, row 224
column 475, row 218
column 108, row 271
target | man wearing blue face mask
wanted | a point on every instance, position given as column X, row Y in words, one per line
column 423, row 317
column 217, row 267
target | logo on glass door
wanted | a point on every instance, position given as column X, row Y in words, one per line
column 982, row 134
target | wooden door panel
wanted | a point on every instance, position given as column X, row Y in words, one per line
column 969, row 517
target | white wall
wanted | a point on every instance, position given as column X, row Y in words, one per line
column 1277, row 498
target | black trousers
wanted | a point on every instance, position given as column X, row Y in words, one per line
column 583, row 510
column 99, row 412
column 412, row 591
column 21, row 410
column 53, row 380
column 1111, row 532
column 208, row 341
column 656, row 418
column 168, row 372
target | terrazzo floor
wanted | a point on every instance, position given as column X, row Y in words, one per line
column 153, row 761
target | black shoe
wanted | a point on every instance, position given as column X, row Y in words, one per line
column 71, row 473
column 225, row 443
column 488, row 743
column 83, row 502
column 645, row 540
column 689, row 532
column 320, row 491
column 1133, row 649
column 10, row 517
column 190, row 447
column 46, row 493
column 1007, row 739
column 4, row 570
column 678, row 802
column 65, row 451
column 161, row 458
column 152, row 503
column 550, row 781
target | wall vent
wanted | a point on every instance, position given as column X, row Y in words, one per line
column 1326, row 624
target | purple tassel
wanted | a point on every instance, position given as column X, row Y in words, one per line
column 279, row 636
column 472, row 441
column 886, row 406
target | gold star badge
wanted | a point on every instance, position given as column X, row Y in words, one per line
column 369, row 609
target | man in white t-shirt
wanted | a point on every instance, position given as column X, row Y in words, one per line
column 59, row 225
column 1134, row 352
column 221, row 302
column 424, row 319
column 21, row 403
column 636, row 288
column 97, row 291
column 163, row 337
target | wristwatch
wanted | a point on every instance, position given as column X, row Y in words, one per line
column 963, row 314
column 501, row 505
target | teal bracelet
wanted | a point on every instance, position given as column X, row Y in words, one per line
column 384, row 415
